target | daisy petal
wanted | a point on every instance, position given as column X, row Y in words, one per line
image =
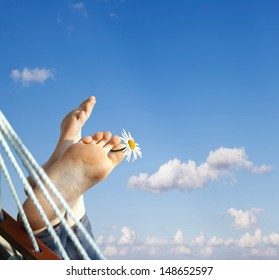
column 131, row 147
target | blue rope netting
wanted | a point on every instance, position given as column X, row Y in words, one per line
column 39, row 177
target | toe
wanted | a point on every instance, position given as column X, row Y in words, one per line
column 85, row 109
column 97, row 137
column 87, row 139
column 90, row 99
column 117, row 157
column 105, row 139
column 114, row 141
column 89, row 105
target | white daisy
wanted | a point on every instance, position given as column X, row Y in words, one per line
column 131, row 147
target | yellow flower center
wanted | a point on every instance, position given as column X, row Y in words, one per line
column 132, row 144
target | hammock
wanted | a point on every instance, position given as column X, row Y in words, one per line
column 23, row 240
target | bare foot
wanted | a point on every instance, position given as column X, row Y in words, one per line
column 91, row 162
column 70, row 133
column 82, row 166
column 70, row 129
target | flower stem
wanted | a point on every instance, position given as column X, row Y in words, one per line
column 119, row 150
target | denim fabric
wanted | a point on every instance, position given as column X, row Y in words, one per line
column 67, row 243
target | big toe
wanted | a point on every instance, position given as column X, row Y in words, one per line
column 86, row 108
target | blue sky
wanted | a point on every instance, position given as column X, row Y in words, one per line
column 195, row 82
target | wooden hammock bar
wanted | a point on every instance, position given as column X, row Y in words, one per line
column 14, row 234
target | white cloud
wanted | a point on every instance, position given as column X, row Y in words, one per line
column 111, row 239
column 272, row 239
column 80, row 8
column 229, row 242
column 248, row 245
column 100, row 240
column 160, row 246
column 244, row 219
column 128, row 236
column 250, row 241
column 124, row 251
column 261, row 169
column 175, row 174
column 156, row 241
column 179, row 237
column 36, row 75
column 199, row 240
column 181, row 250
column 206, row 251
column 215, row 241
column 110, row 251
column 226, row 158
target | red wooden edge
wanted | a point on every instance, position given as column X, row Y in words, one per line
column 12, row 231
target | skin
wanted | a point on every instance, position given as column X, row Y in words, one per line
column 70, row 133
column 75, row 165
column 81, row 167
column 70, row 130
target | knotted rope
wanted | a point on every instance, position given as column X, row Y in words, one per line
column 39, row 176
